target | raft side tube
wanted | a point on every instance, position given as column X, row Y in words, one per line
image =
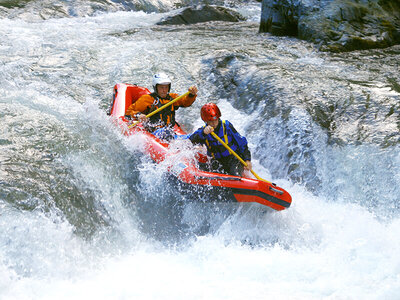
column 124, row 95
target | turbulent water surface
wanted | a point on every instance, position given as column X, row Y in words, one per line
column 84, row 214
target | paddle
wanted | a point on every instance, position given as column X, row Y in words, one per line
column 161, row 108
column 237, row 156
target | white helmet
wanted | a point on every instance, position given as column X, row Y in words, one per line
column 161, row 78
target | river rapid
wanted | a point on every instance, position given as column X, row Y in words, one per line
column 84, row 214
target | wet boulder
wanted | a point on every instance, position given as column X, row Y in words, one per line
column 335, row 25
column 199, row 14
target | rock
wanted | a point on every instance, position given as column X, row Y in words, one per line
column 336, row 25
column 206, row 13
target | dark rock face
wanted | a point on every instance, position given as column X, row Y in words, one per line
column 206, row 13
column 336, row 25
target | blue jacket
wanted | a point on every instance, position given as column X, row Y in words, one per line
column 229, row 135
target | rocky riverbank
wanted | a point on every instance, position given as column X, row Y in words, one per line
column 338, row 25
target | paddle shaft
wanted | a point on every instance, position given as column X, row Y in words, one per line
column 237, row 156
column 161, row 108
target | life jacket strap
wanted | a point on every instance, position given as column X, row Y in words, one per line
column 225, row 134
column 225, row 138
column 208, row 146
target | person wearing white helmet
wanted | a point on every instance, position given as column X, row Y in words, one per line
column 161, row 96
column 162, row 79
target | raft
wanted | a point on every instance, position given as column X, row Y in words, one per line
column 191, row 179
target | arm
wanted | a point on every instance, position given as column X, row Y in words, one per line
column 198, row 137
column 241, row 141
column 187, row 100
column 140, row 106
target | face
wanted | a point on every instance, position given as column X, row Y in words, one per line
column 162, row 90
column 213, row 123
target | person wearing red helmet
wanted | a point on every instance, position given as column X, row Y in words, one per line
column 211, row 114
column 161, row 95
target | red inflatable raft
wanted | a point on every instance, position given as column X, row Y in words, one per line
column 225, row 187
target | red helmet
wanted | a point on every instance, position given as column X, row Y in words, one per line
column 210, row 112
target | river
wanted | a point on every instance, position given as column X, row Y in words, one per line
column 83, row 214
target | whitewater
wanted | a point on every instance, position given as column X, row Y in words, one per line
column 85, row 215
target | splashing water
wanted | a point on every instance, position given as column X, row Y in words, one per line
column 84, row 214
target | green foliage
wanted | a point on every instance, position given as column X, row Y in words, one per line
column 13, row 3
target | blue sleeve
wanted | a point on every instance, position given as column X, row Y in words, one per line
column 198, row 136
column 240, row 141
